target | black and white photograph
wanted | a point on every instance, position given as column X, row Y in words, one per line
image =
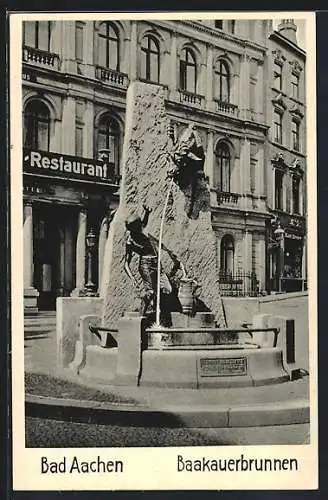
column 163, row 192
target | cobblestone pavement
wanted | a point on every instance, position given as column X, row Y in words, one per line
column 44, row 433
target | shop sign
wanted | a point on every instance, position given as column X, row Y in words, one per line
column 72, row 167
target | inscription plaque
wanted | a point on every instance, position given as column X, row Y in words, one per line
column 223, row 367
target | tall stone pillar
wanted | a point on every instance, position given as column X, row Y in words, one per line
column 133, row 51
column 247, row 258
column 245, row 174
column 261, row 262
column 173, row 65
column 61, row 283
column 68, row 44
column 88, row 130
column 68, row 126
column 80, row 253
column 209, row 78
column 30, row 293
column 244, row 86
column 103, row 233
column 88, row 49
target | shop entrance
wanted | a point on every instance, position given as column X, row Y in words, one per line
column 54, row 259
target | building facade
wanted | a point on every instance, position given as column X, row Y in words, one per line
column 215, row 74
column 286, row 164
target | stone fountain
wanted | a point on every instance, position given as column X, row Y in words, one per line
column 163, row 321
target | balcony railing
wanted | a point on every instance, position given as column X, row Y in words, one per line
column 226, row 198
column 38, row 56
column 239, row 284
column 191, row 98
column 227, row 107
column 111, row 76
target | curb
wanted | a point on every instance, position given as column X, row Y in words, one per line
column 220, row 416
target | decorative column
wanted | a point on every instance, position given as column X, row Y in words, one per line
column 245, row 158
column 30, row 293
column 261, row 262
column 209, row 78
column 244, row 84
column 133, row 53
column 88, row 130
column 173, row 64
column 247, row 259
column 103, row 233
column 68, row 126
column 80, row 253
column 61, row 283
column 88, row 49
column 68, row 43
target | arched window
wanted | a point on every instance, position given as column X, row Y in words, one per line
column 108, row 47
column 37, row 34
column 36, row 126
column 109, row 140
column 223, row 167
column 227, row 255
column 188, row 71
column 150, row 59
column 222, row 81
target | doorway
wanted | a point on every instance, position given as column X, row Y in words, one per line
column 54, row 263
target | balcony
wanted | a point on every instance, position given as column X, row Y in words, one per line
column 227, row 107
column 112, row 77
column 191, row 98
column 226, row 198
column 40, row 57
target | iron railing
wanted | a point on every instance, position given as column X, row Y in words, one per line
column 239, row 284
column 111, row 76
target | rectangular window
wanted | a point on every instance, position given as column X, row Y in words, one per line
column 295, row 86
column 296, row 194
column 29, row 33
column 277, row 127
column 278, row 186
column 79, row 42
column 44, row 35
column 79, row 139
column 218, row 24
column 277, row 76
column 295, row 135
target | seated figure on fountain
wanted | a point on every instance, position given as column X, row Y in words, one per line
column 146, row 248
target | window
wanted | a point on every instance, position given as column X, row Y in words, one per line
column 295, row 86
column 150, row 59
column 218, row 24
column 227, row 255
column 277, row 127
column 36, row 126
column 79, row 139
column 296, row 183
column 188, row 71
column 108, row 47
column 277, row 76
column 222, row 81
column 108, row 138
column 295, row 135
column 231, row 27
column 37, row 34
column 279, row 189
column 223, row 167
column 79, row 42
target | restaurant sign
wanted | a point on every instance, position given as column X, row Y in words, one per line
column 72, row 167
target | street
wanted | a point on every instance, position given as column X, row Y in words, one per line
column 44, row 433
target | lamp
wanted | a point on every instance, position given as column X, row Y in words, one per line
column 90, row 287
